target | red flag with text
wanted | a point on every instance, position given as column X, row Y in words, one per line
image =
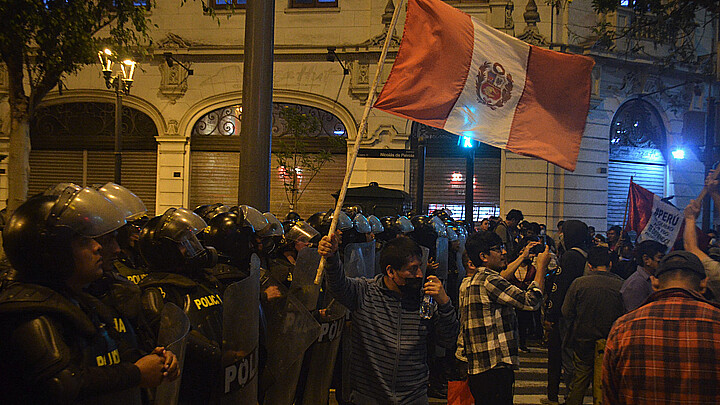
column 652, row 218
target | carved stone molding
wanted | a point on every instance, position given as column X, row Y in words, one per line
column 4, row 81
column 385, row 131
column 173, row 81
column 532, row 35
column 361, row 75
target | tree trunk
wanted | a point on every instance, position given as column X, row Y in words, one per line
column 19, row 157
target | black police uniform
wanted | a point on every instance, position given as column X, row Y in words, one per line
column 62, row 348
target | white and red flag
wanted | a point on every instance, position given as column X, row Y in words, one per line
column 651, row 217
column 456, row 73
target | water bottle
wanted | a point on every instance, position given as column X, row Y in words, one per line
column 427, row 307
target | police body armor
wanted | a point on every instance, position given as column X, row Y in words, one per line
column 240, row 347
column 360, row 259
column 87, row 335
column 441, row 257
column 131, row 273
column 174, row 329
column 292, row 329
column 203, row 307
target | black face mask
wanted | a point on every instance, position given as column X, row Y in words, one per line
column 412, row 287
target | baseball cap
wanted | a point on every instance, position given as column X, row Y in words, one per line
column 681, row 259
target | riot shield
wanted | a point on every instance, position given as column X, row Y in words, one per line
column 360, row 259
column 425, row 258
column 241, row 329
column 174, row 328
column 303, row 285
column 441, row 257
column 323, row 353
column 291, row 329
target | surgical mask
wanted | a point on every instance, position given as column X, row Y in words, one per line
column 412, row 287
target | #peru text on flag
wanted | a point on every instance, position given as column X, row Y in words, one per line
column 456, row 73
column 651, row 217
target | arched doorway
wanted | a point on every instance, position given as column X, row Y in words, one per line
column 215, row 159
column 74, row 141
column 637, row 150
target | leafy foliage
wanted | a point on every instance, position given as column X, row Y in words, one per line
column 298, row 165
column 671, row 26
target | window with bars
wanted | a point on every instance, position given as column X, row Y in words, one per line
column 313, row 3
column 227, row 4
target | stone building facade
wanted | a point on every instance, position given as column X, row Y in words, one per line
column 182, row 131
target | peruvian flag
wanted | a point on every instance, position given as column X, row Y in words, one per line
column 652, row 218
column 456, row 73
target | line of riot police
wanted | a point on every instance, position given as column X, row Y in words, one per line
column 101, row 304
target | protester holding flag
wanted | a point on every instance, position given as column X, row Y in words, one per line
column 690, row 240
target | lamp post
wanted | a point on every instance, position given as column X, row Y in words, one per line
column 120, row 83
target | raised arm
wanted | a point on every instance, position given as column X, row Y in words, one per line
column 348, row 291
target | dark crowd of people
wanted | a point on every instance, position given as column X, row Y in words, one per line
column 102, row 304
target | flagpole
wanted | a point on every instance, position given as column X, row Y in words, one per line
column 627, row 204
column 362, row 130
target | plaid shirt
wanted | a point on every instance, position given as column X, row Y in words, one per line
column 665, row 352
column 490, row 330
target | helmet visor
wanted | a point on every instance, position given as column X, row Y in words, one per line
column 375, row 224
column 274, row 227
column 301, row 231
column 190, row 245
column 86, row 212
column 178, row 221
column 439, row 226
column 404, row 224
column 254, row 217
column 126, row 200
column 361, row 224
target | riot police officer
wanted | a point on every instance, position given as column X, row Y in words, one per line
column 58, row 344
column 176, row 258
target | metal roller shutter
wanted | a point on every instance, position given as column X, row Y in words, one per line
column 445, row 176
column 49, row 167
column 139, row 170
column 650, row 176
column 214, row 179
column 317, row 196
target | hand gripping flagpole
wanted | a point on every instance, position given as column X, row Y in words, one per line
column 362, row 130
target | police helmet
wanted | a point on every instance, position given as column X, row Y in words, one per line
column 293, row 216
column 315, row 220
column 37, row 236
column 405, row 225
column 344, row 222
column 253, row 218
column 208, row 211
column 228, row 234
column 361, row 224
column 275, row 228
column 126, row 200
column 375, row 224
column 439, row 227
column 169, row 242
column 300, row 231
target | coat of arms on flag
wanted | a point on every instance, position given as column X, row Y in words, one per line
column 456, row 73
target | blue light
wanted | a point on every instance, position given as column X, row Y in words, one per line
column 678, row 153
column 467, row 142
column 339, row 132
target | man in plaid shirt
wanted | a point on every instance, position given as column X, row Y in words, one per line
column 491, row 329
column 667, row 351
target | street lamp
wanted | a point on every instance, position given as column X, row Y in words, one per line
column 120, row 83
